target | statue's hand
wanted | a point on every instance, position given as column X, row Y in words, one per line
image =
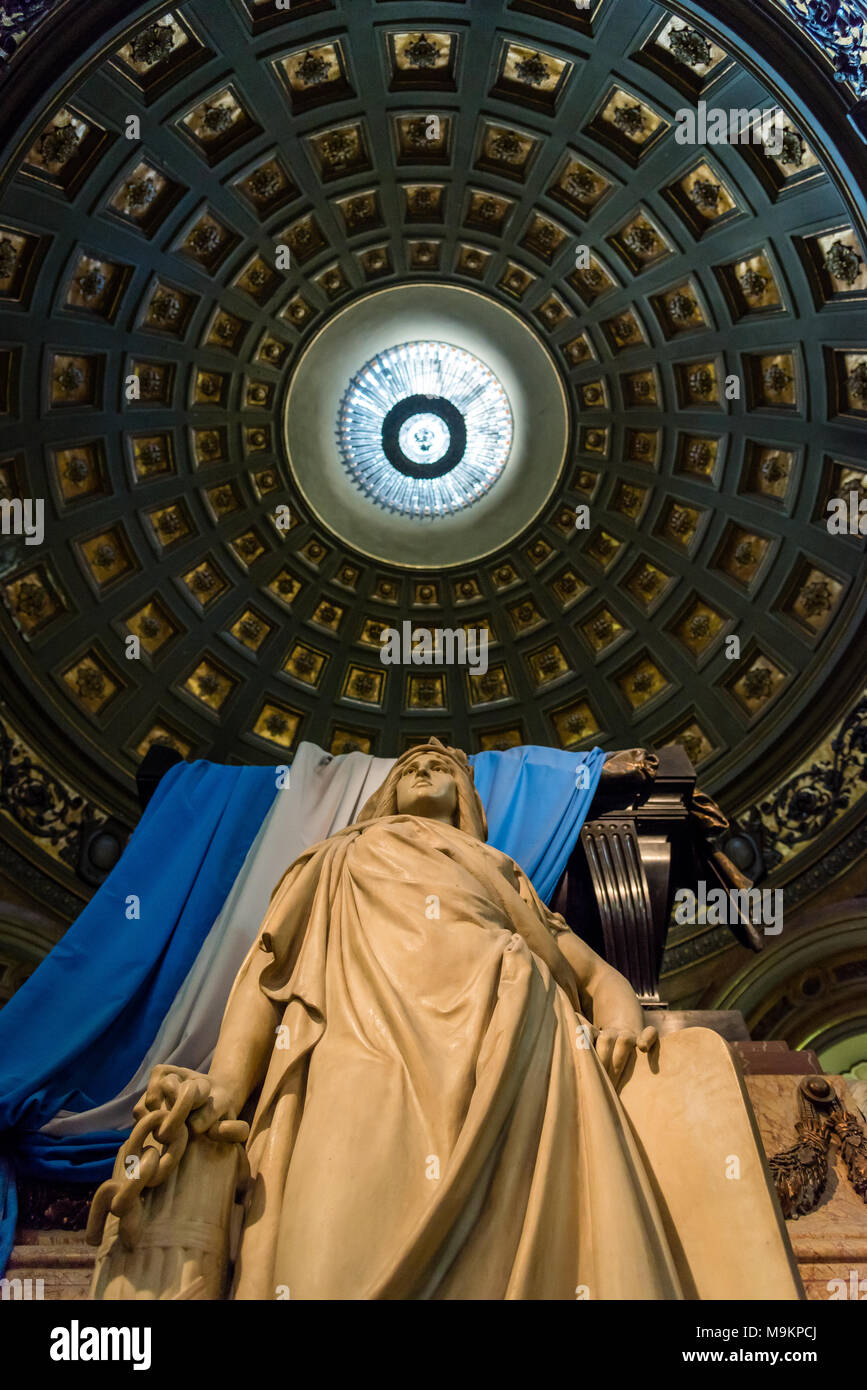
column 615, row 1046
column 206, row 1103
column 634, row 764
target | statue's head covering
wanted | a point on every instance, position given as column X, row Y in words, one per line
column 471, row 812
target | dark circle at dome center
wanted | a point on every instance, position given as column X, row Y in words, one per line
column 424, row 405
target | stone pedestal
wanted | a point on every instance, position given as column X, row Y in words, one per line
column 50, row 1265
column 829, row 1243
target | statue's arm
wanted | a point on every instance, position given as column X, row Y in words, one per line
column 615, row 1013
column 246, row 1036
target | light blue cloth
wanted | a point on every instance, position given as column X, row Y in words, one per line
column 76, row 1032
column 77, row 1029
column 536, row 807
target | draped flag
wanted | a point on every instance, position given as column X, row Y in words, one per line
column 143, row 975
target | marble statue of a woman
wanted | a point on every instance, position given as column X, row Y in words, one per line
column 428, row 1056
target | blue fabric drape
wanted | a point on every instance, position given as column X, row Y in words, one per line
column 76, row 1031
column 536, row 803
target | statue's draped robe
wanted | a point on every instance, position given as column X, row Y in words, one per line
column 433, row 1123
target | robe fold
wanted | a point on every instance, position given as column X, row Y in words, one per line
column 433, row 1123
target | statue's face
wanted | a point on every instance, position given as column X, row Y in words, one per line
column 427, row 787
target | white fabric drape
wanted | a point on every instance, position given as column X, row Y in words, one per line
column 324, row 794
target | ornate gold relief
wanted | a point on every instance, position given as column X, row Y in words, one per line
column 424, row 255
column 768, row 471
column 548, row 664
column 472, row 261
column 34, row 600
column 267, row 187
column 515, row 280
column 168, row 310
column 543, row 237
column 563, row 521
column 751, row 286
column 575, row 724
column 741, row 554
column 298, row 311
column 304, row 237
column 168, row 525
column 277, row 724
column 210, row 684
column 153, row 625
column 811, row 597
column 680, row 310
column 329, row 615
column 835, row 265
column 602, row 629
column 339, row 151
column 161, row 733
column 552, row 312
column 348, row 576
column 284, row 587
column 306, row 664
column 538, row 552
column 692, row 738
column 642, row 682
column 226, row 332
column 640, row 243
column 372, row 633
column 386, row 590
column 679, row 524
column 847, row 372
column 698, row 626
column 345, row 740
column 504, row 576
column 218, row 125
column 258, row 279
column 488, row 211
column 204, row 583
column 700, row 384
column 698, row 456
column 96, row 286
column 424, row 202
column 772, row 381
column 524, row 616
column 207, row 241
column 630, row 500
column 422, row 59
column 578, row 351
column 75, row 379
column 628, row 124
column 79, row 472
column 580, row 186
column 66, row 150
column 272, row 351
column 466, row 589
column 107, row 557
column 592, row 282
column 498, row 740
column 20, row 253
column 223, row 499
column 426, row 691
column 91, row 683
column 151, row 455
column 585, row 480
column 363, row 683
column 426, row 593
column 624, row 331
column 506, row 150
column 490, row 688
column 332, row 281
column 247, row 548
column 703, row 199
column 531, row 75
column 760, row 681
column 144, row 197
column 361, row 212
column 593, row 395
column 159, row 55
column 311, row 76
column 647, row 582
column 567, row 588
column 643, row 446
column 640, row 389
column 314, row 552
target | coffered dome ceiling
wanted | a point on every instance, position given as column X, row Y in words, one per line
column 400, row 144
